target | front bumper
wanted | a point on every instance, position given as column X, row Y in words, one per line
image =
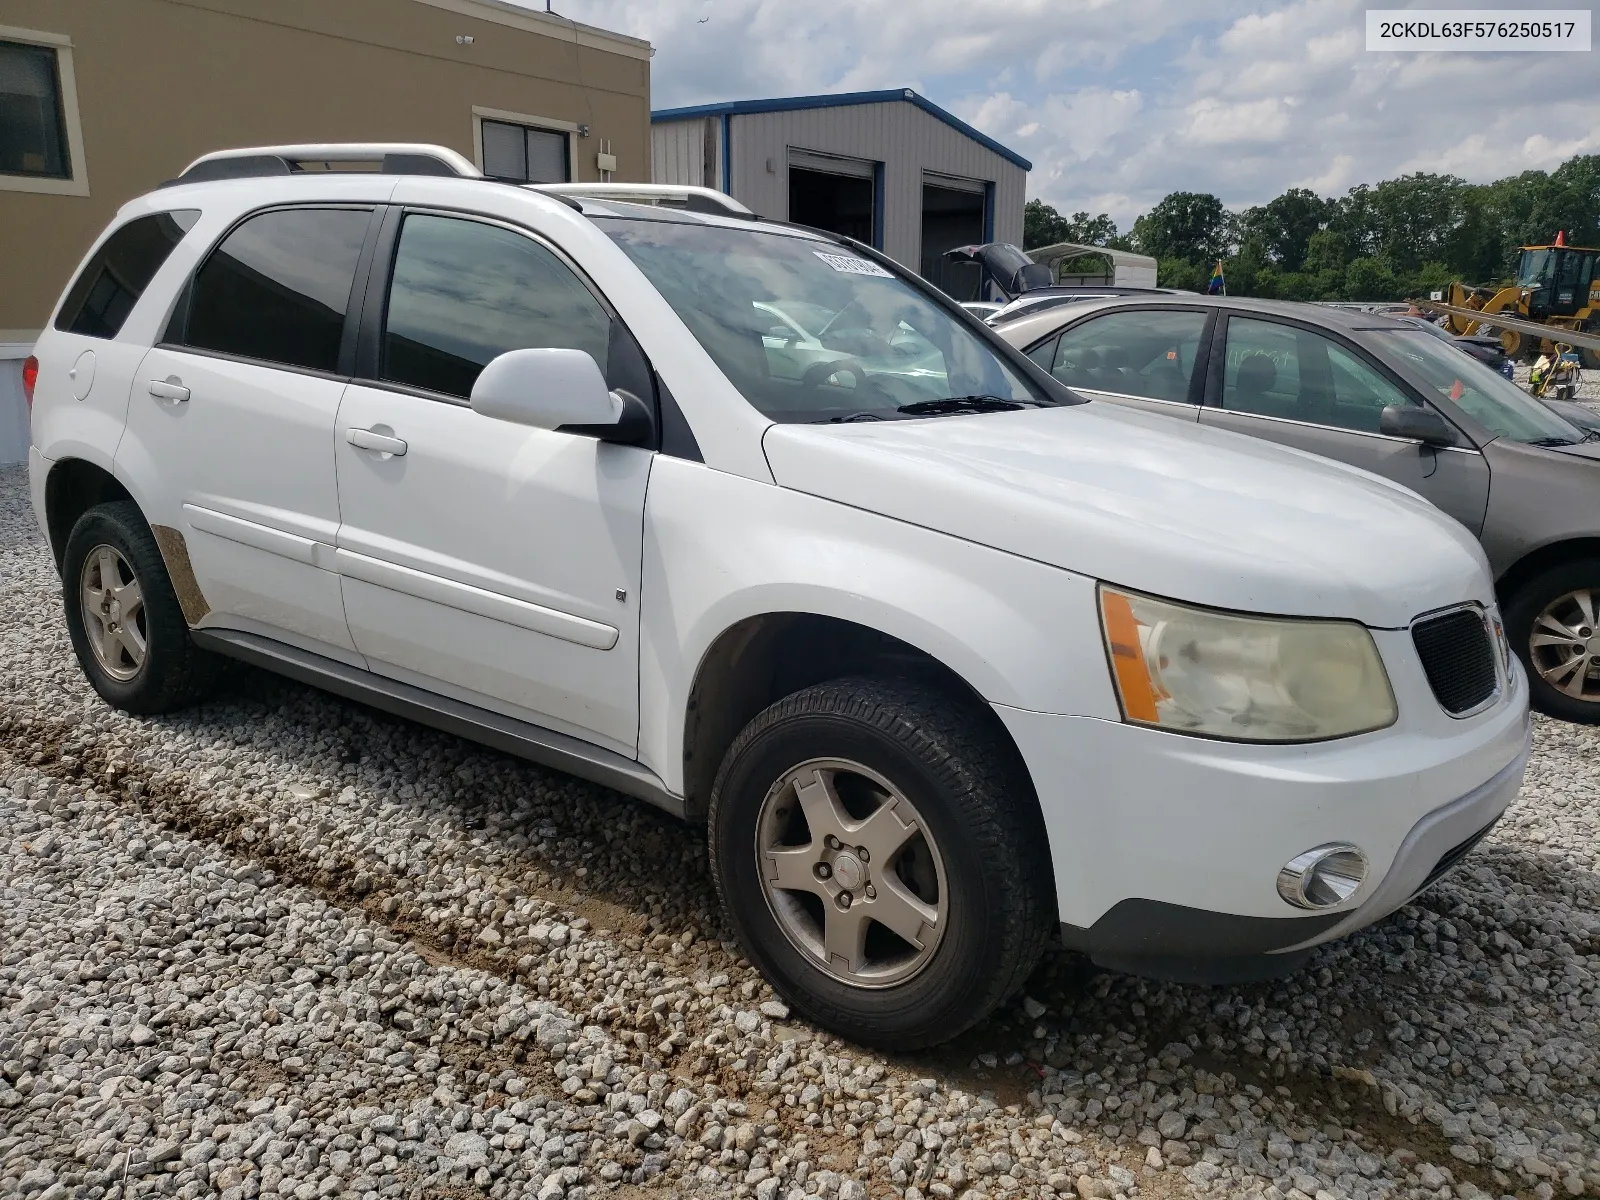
column 1189, row 945
column 1166, row 848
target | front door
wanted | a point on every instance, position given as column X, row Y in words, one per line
column 491, row 561
column 1292, row 385
column 233, row 417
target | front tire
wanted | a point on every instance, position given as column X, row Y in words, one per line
column 880, row 855
column 123, row 616
column 1553, row 621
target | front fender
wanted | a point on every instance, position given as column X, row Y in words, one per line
column 720, row 549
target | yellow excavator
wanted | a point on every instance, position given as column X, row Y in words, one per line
column 1557, row 286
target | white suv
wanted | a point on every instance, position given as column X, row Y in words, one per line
column 950, row 661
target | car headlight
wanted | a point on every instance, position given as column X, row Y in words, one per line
column 1256, row 679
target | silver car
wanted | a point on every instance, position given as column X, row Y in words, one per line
column 1390, row 398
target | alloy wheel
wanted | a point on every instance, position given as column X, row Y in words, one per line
column 851, row 872
column 113, row 613
column 1564, row 645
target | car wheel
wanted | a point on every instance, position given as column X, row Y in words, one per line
column 123, row 616
column 881, row 858
column 1553, row 621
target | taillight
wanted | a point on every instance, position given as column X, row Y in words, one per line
column 30, row 376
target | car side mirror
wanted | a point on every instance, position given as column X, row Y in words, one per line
column 1417, row 424
column 561, row 390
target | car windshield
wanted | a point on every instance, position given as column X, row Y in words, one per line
column 807, row 330
column 1486, row 396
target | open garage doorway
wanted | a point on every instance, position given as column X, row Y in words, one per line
column 955, row 212
column 836, row 194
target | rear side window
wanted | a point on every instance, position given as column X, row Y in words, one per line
column 105, row 291
column 1137, row 353
column 278, row 287
column 464, row 292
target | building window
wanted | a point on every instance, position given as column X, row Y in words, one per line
column 525, row 154
column 41, row 144
column 33, row 133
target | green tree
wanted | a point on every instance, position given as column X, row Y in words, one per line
column 1285, row 225
column 1042, row 225
column 1191, row 226
column 1370, row 279
column 1328, row 250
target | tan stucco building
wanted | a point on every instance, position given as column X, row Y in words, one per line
column 100, row 100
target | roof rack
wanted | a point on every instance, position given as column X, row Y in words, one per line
column 391, row 158
column 666, row 195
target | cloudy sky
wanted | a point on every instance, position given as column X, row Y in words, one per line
column 1118, row 102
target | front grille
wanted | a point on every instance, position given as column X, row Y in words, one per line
column 1458, row 657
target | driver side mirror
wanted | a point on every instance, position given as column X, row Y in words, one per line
column 1417, row 424
column 561, row 390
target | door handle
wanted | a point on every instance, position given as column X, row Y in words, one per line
column 367, row 439
column 169, row 389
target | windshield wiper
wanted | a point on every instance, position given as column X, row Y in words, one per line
column 1551, row 441
column 959, row 404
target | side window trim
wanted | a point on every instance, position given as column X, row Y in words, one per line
column 1196, row 383
column 1214, row 385
column 174, row 335
column 368, row 358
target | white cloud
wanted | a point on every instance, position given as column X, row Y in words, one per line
column 1213, row 122
column 1118, row 102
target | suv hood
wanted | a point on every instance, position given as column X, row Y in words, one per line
column 1147, row 502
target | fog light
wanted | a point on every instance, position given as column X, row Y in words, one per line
column 1323, row 877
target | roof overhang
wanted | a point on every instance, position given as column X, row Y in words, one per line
column 531, row 20
column 840, row 100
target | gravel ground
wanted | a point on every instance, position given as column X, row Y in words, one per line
column 282, row 945
column 1588, row 386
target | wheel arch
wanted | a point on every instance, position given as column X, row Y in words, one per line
column 72, row 488
column 1540, row 559
column 760, row 659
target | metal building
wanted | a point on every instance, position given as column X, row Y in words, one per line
column 889, row 168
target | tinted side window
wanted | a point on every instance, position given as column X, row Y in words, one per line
column 278, row 287
column 464, row 292
column 1264, row 371
column 1280, row 371
column 1141, row 353
column 1044, row 353
column 1360, row 394
column 108, row 287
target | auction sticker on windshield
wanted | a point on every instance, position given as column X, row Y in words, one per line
column 851, row 265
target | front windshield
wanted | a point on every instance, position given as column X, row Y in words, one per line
column 1486, row 396
column 1533, row 268
column 809, row 331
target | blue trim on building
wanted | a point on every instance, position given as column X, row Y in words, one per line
column 727, row 154
column 877, row 206
column 842, row 100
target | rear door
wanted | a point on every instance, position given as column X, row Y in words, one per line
column 1296, row 385
column 1137, row 357
column 230, row 423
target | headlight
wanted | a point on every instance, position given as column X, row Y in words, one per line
column 1254, row 679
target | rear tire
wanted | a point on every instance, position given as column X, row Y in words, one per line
column 1564, row 597
column 123, row 616
column 869, row 758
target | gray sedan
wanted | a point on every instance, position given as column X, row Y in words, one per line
column 1392, row 399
